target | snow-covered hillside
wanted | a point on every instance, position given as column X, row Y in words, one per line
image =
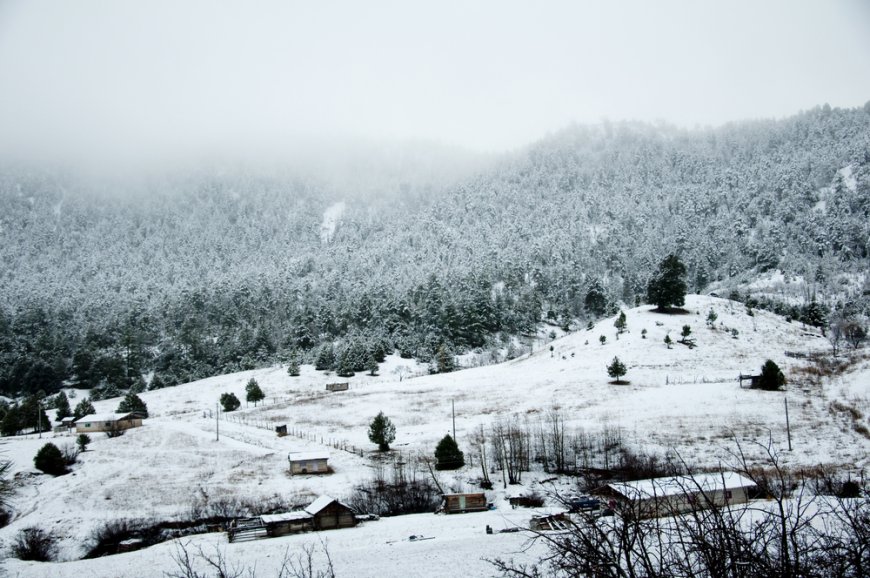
column 681, row 399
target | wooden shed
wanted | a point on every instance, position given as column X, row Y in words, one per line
column 461, row 503
column 670, row 496
column 108, row 422
column 308, row 462
column 337, row 386
column 328, row 513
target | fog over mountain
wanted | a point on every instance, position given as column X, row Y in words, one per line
column 188, row 273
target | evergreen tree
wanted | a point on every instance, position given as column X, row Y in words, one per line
column 668, row 340
column 772, row 377
column 230, row 402
column 616, row 370
column 253, row 393
column 344, row 367
column 711, row 319
column 325, row 358
column 11, row 424
column 293, row 367
column 133, row 403
column 620, row 323
column 814, row 314
column 50, row 460
column 82, row 441
column 444, row 362
column 595, row 301
column 668, row 286
column 157, row 382
column 83, row 408
column 448, row 454
column 61, row 404
column 382, row 432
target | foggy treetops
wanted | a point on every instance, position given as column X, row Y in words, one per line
column 201, row 272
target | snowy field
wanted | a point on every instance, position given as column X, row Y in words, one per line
column 680, row 399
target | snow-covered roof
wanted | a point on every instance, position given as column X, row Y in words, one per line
column 285, row 517
column 103, row 417
column 681, row 485
column 307, row 456
column 319, row 504
column 68, row 419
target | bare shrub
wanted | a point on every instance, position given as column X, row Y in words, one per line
column 106, row 538
column 311, row 562
column 405, row 491
column 794, row 533
column 35, row 544
column 70, row 454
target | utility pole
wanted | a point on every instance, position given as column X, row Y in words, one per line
column 217, row 422
column 787, row 426
column 453, row 408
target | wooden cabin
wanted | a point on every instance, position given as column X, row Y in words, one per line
column 337, row 386
column 328, row 514
column 670, row 496
column 324, row 513
column 461, row 503
column 308, row 462
column 108, row 422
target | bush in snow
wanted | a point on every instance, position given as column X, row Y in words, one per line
column 230, row 402
column 50, row 459
column 34, row 544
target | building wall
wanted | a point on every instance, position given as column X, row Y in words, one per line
column 102, row 426
column 309, row 467
column 334, row 516
column 667, row 505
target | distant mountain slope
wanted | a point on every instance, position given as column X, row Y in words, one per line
column 201, row 273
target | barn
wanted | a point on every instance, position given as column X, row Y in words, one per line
column 675, row 495
column 328, row 513
column 308, row 462
column 108, row 422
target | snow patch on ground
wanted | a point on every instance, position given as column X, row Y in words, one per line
column 331, row 218
column 847, row 173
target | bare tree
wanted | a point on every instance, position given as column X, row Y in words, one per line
column 793, row 534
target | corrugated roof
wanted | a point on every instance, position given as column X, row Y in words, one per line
column 285, row 517
column 319, row 504
column 306, row 456
column 642, row 489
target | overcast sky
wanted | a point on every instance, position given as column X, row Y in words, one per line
column 487, row 75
